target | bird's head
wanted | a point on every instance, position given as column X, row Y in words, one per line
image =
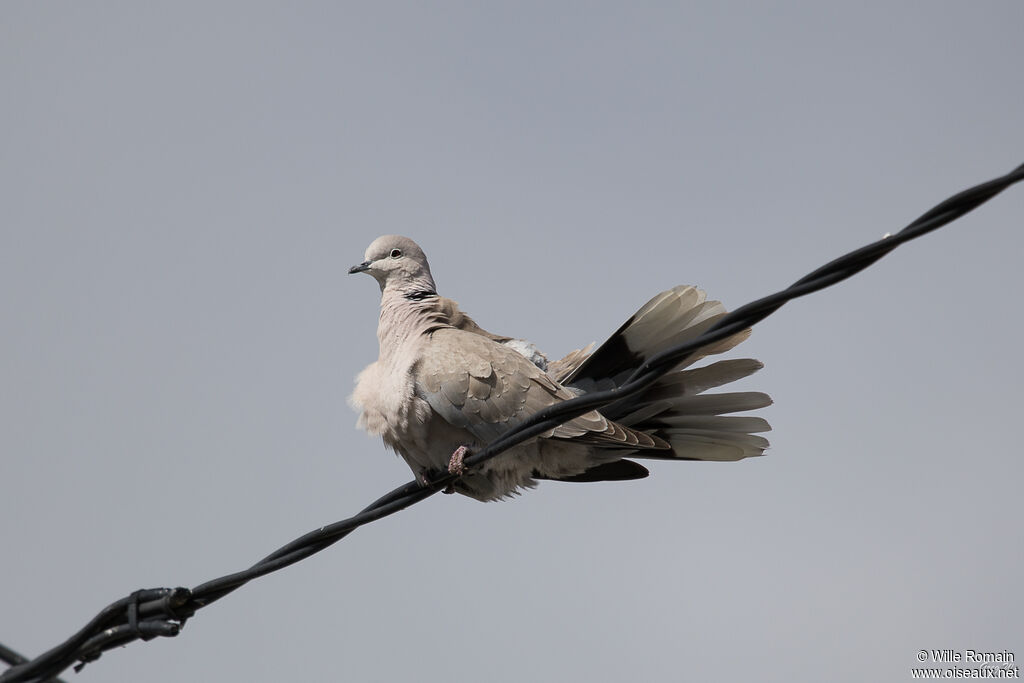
column 397, row 262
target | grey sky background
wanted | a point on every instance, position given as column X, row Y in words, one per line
column 184, row 185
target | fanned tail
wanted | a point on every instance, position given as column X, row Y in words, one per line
column 697, row 425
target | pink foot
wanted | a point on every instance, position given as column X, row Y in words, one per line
column 455, row 465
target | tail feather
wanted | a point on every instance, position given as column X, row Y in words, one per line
column 719, row 404
column 709, row 445
column 718, row 423
column 560, row 369
column 675, row 408
column 670, row 388
column 617, row 470
column 673, row 317
column 699, row 380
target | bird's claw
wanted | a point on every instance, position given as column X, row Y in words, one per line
column 455, row 464
column 455, row 467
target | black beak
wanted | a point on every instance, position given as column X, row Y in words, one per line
column 361, row 268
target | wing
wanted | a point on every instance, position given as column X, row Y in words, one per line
column 487, row 388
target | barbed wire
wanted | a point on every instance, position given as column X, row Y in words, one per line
column 151, row 613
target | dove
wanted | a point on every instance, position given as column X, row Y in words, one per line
column 442, row 387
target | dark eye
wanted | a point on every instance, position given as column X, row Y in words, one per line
column 395, row 253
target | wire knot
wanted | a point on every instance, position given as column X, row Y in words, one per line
column 149, row 613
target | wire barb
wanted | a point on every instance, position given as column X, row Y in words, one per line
column 151, row 613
